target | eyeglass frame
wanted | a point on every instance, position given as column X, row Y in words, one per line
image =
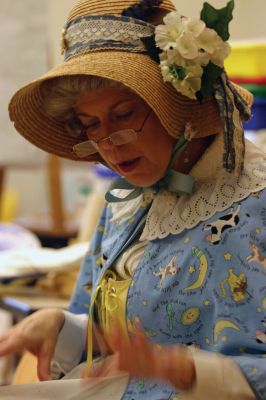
column 94, row 143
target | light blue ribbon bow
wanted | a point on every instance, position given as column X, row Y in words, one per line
column 172, row 181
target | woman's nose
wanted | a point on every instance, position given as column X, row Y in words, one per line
column 106, row 143
column 105, row 132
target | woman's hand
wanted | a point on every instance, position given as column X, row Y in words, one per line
column 140, row 357
column 38, row 334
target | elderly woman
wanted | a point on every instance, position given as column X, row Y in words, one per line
column 173, row 287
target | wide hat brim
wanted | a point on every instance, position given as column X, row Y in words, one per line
column 136, row 71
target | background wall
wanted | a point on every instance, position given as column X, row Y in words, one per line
column 32, row 30
column 249, row 16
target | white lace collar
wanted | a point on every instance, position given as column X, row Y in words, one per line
column 215, row 190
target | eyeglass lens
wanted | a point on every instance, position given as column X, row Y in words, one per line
column 90, row 147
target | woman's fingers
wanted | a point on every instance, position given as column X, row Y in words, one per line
column 133, row 353
column 140, row 357
column 37, row 334
column 44, row 357
column 11, row 342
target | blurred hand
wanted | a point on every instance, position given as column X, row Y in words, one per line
column 140, row 357
column 103, row 367
column 38, row 334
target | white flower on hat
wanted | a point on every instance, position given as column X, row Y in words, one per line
column 194, row 26
column 207, row 40
column 191, row 83
column 187, row 46
column 220, row 53
column 168, row 33
column 186, row 80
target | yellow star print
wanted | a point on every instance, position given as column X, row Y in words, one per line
column 254, row 370
column 242, row 349
column 191, row 269
column 227, row 256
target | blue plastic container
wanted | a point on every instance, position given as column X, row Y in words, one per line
column 103, row 172
column 258, row 120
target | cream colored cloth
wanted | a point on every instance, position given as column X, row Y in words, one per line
column 213, row 372
column 41, row 260
column 111, row 388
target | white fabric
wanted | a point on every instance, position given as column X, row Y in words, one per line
column 124, row 211
column 110, row 388
column 70, row 345
column 129, row 260
column 213, row 372
column 25, row 261
column 215, row 190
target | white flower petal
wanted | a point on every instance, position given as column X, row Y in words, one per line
column 194, row 26
column 173, row 19
column 207, row 40
column 187, row 46
column 184, row 88
column 174, row 57
column 221, row 52
column 166, row 74
column 166, row 35
column 203, row 58
column 191, row 83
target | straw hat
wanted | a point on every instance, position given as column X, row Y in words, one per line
column 135, row 70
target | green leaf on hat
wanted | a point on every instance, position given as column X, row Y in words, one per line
column 177, row 72
column 218, row 19
column 210, row 75
column 152, row 49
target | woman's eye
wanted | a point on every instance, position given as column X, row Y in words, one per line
column 125, row 115
column 91, row 125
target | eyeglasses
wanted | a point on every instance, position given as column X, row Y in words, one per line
column 117, row 138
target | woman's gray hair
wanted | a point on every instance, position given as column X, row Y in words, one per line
column 60, row 97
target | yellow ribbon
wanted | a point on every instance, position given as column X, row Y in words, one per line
column 110, row 299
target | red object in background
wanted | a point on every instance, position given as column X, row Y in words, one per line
column 258, row 80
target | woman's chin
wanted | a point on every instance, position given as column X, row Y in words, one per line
column 140, row 181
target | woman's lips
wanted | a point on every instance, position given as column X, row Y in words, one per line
column 129, row 165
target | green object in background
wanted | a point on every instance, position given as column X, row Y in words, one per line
column 257, row 90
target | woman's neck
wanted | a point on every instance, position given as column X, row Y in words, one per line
column 193, row 152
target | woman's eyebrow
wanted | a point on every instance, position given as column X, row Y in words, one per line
column 121, row 102
column 84, row 114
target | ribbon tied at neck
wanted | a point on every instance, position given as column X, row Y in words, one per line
column 172, row 180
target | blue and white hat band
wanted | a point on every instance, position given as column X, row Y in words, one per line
column 104, row 32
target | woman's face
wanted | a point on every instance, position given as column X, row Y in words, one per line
column 108, row 110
